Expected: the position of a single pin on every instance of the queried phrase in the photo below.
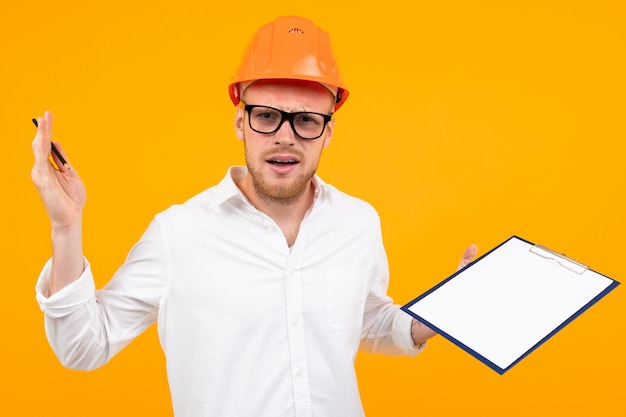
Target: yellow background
(468, 121)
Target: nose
(285, 134)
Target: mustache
(282, 150)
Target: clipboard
(508, 302)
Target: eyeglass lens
(267, 120)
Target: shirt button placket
(297, 349)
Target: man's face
(281, 165)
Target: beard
(280, 190)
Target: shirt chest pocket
(345, 294)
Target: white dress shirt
(249, 326)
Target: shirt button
(295, 322)
(299, 372)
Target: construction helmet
(289, 48)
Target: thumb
(468, 256)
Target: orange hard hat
(290, 48)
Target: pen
(54, 148)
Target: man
(263, 286)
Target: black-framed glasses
(267, 120)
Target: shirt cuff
(402, 334)
(69, 298)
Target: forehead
(289, 95)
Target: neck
(287, 213)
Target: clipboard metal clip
(562, 260)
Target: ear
(330, 127)
(239, 120)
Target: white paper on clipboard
(505, 304)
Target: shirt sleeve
(87, 327)
(386, 328)
(63, 302)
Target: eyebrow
(330, 113)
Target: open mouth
(282, 161)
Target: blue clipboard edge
(477, 355)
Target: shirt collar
(227, 187)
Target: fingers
(48, 125)
(43, 147)
(42, 173)
(468, 255)
(41, 142)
